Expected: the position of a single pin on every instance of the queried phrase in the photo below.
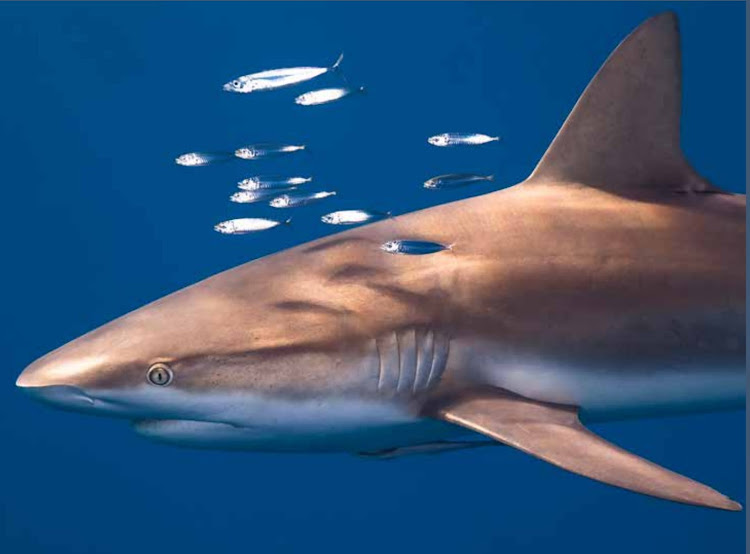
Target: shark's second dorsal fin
(624, 132)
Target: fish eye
(159, 374)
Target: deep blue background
(97, 100)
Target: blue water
(97, 100)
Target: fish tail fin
(337, 64)
(490, 177)
(450, 246)
(495, 139)
(287, 221)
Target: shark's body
(609, 284)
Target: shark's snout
(56, 380)
(61, 367)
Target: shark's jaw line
(243, 420)
(241, 409)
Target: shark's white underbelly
(612, 392)
(242, 421)
(364, 439)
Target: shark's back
(615, 248)
(615, 255)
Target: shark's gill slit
(427, 362)
(441, 348)
(389, 363)
(380, 364)
(419, 339)
(398, 361)
(408, 359)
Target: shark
(609, 284)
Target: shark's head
(146, 364)
(248, 348)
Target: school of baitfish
(280, 191)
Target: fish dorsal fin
(553, 432)
(624, 132)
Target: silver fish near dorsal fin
(624, 132)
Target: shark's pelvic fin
(437, 447)
(553, 432)
(624, 132)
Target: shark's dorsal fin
(554, 433)
(624, 132)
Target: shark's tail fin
(623, 134)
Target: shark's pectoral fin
(553, 432)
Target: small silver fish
(456, 139)
(325, 95)
(277, 78)
(197, 159)
(352, 217)
(454, 180)
(413, 247)
(247, 225)
(271, 182)
(266, 150)
(300, 199)
(251, 196)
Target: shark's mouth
(62, 396)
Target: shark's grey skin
(611, 283)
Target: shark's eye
(159, 374)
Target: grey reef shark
(609, 284)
